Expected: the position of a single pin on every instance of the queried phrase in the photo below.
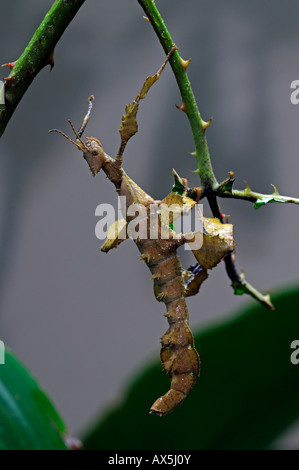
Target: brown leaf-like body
(116, 235)
(179, 357)
(217, 243)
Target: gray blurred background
(83, 321)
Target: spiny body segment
(179, 357)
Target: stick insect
(171, 283)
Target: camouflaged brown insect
(171, 283)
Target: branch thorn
(205, 124)
(185, 63)
(267, 298)
(50, 61)
(8, 80)
(9, 64)
(225, 217)
(276, 193)
(248, 188)
(181, 108)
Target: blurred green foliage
(246, 396)
(28, 420)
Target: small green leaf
(227, 185)
(238, 288)
(28, 420)
(178, 186)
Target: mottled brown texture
(179, 357)
(171, 284)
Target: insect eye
(95, 152)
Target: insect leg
(129, 125)
(192, 278)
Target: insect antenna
(79, 142)
(77, 135)
(67, 137)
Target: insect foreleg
(129, 125)
(116, 234)
(192, 278)
(87, 116)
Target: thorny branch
(36, 55)
(258, 199)
(210, 187)
(39, 53)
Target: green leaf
(28, 419)
(246, 396)
(178, 186)
(238, 288)
(265, 200)
(227, 185)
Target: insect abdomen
(179, 357)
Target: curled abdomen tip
(167, 403)
(180, 387)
